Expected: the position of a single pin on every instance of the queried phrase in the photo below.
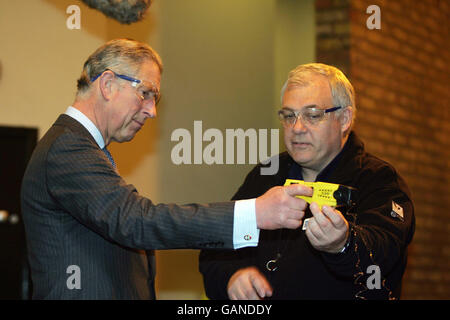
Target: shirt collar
(87, 123)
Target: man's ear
(106, 84)
(346, 119)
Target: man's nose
(299, 125)
(149, 109)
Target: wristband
(347, 244)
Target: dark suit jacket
(79, 212)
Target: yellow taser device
(327, 194)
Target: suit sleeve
(84, 184)
(217, 266)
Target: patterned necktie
(108, 154)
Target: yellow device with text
(327, 194)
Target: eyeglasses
(311, 115)
(146, 91)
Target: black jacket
(379, 237)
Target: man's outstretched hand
(279, 208)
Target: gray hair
(342, 91)
(120, 55)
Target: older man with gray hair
(90, 235)
(351, 253)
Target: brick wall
(333, 33)
(401, 74)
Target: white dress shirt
(245, 231)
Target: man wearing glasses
(339, 254)
(86, 228)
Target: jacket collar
(350, 161)
(76, 127)
(340, 170)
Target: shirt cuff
(245, 230)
